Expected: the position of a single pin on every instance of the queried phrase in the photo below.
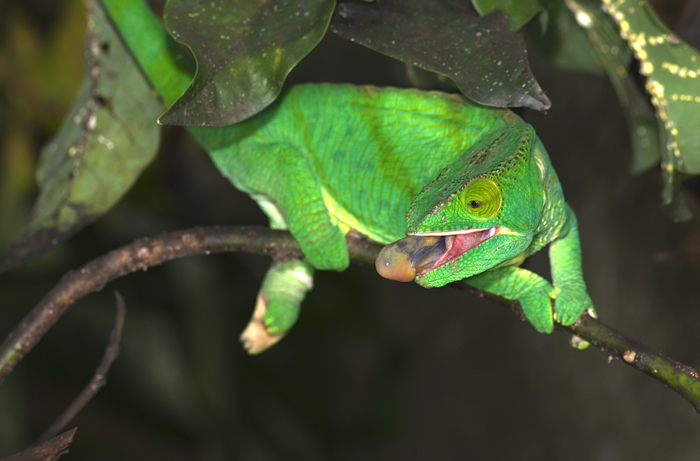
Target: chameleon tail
(168, 68)
(286, 283)
(279, 301)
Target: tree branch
(139, 255)
(98, 380)
(149, 252)
(679, 377)
(49, 450)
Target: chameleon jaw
(457, 243)
(418, 254)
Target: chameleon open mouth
(417, 255)
(454, 244)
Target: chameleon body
(473, 186)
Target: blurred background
(374, 369)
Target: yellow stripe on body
(346, 221)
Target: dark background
(374, 369)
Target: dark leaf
(518, 12)
(566, 44)
(645, 132)
(671, 194)
(107, 139)
(244, 50)
(485, 59)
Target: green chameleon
(455, 190)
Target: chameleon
(453, 189)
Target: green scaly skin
(532, 213)
(326, 159)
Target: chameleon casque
(454, 189)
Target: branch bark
(679, 377)
(49, 450)
(149, 252)
(98, 380)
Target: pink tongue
(461, 244)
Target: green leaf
(244, 50)
(107, 139)
(615, 58)
(645, 132)
(481, 55)
(565, 43)
(518, 12)
(671, 194)
(672, 71)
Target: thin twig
(145, 253)
(49, 450)
(139, 255)
(99, 379)
(679, 377)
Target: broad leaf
(481, 55)
(565, 43)
(615, 58)
(518, 12)
(107, 139)
(244, 50)
(672, 71)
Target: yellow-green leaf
(109, 137)
(672, 71)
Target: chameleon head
(481, 211)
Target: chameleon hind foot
(278, 304)
(256, 338)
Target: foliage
(98, 180)
(244, 50)
(243, 53)
(106, 141)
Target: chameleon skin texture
(326, 159)
(339, 157)
(335, 158)
(529, 213)
(284, 288)
(503, 157)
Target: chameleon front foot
(256, 338)
(571, 302)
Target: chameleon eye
(482, 198)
